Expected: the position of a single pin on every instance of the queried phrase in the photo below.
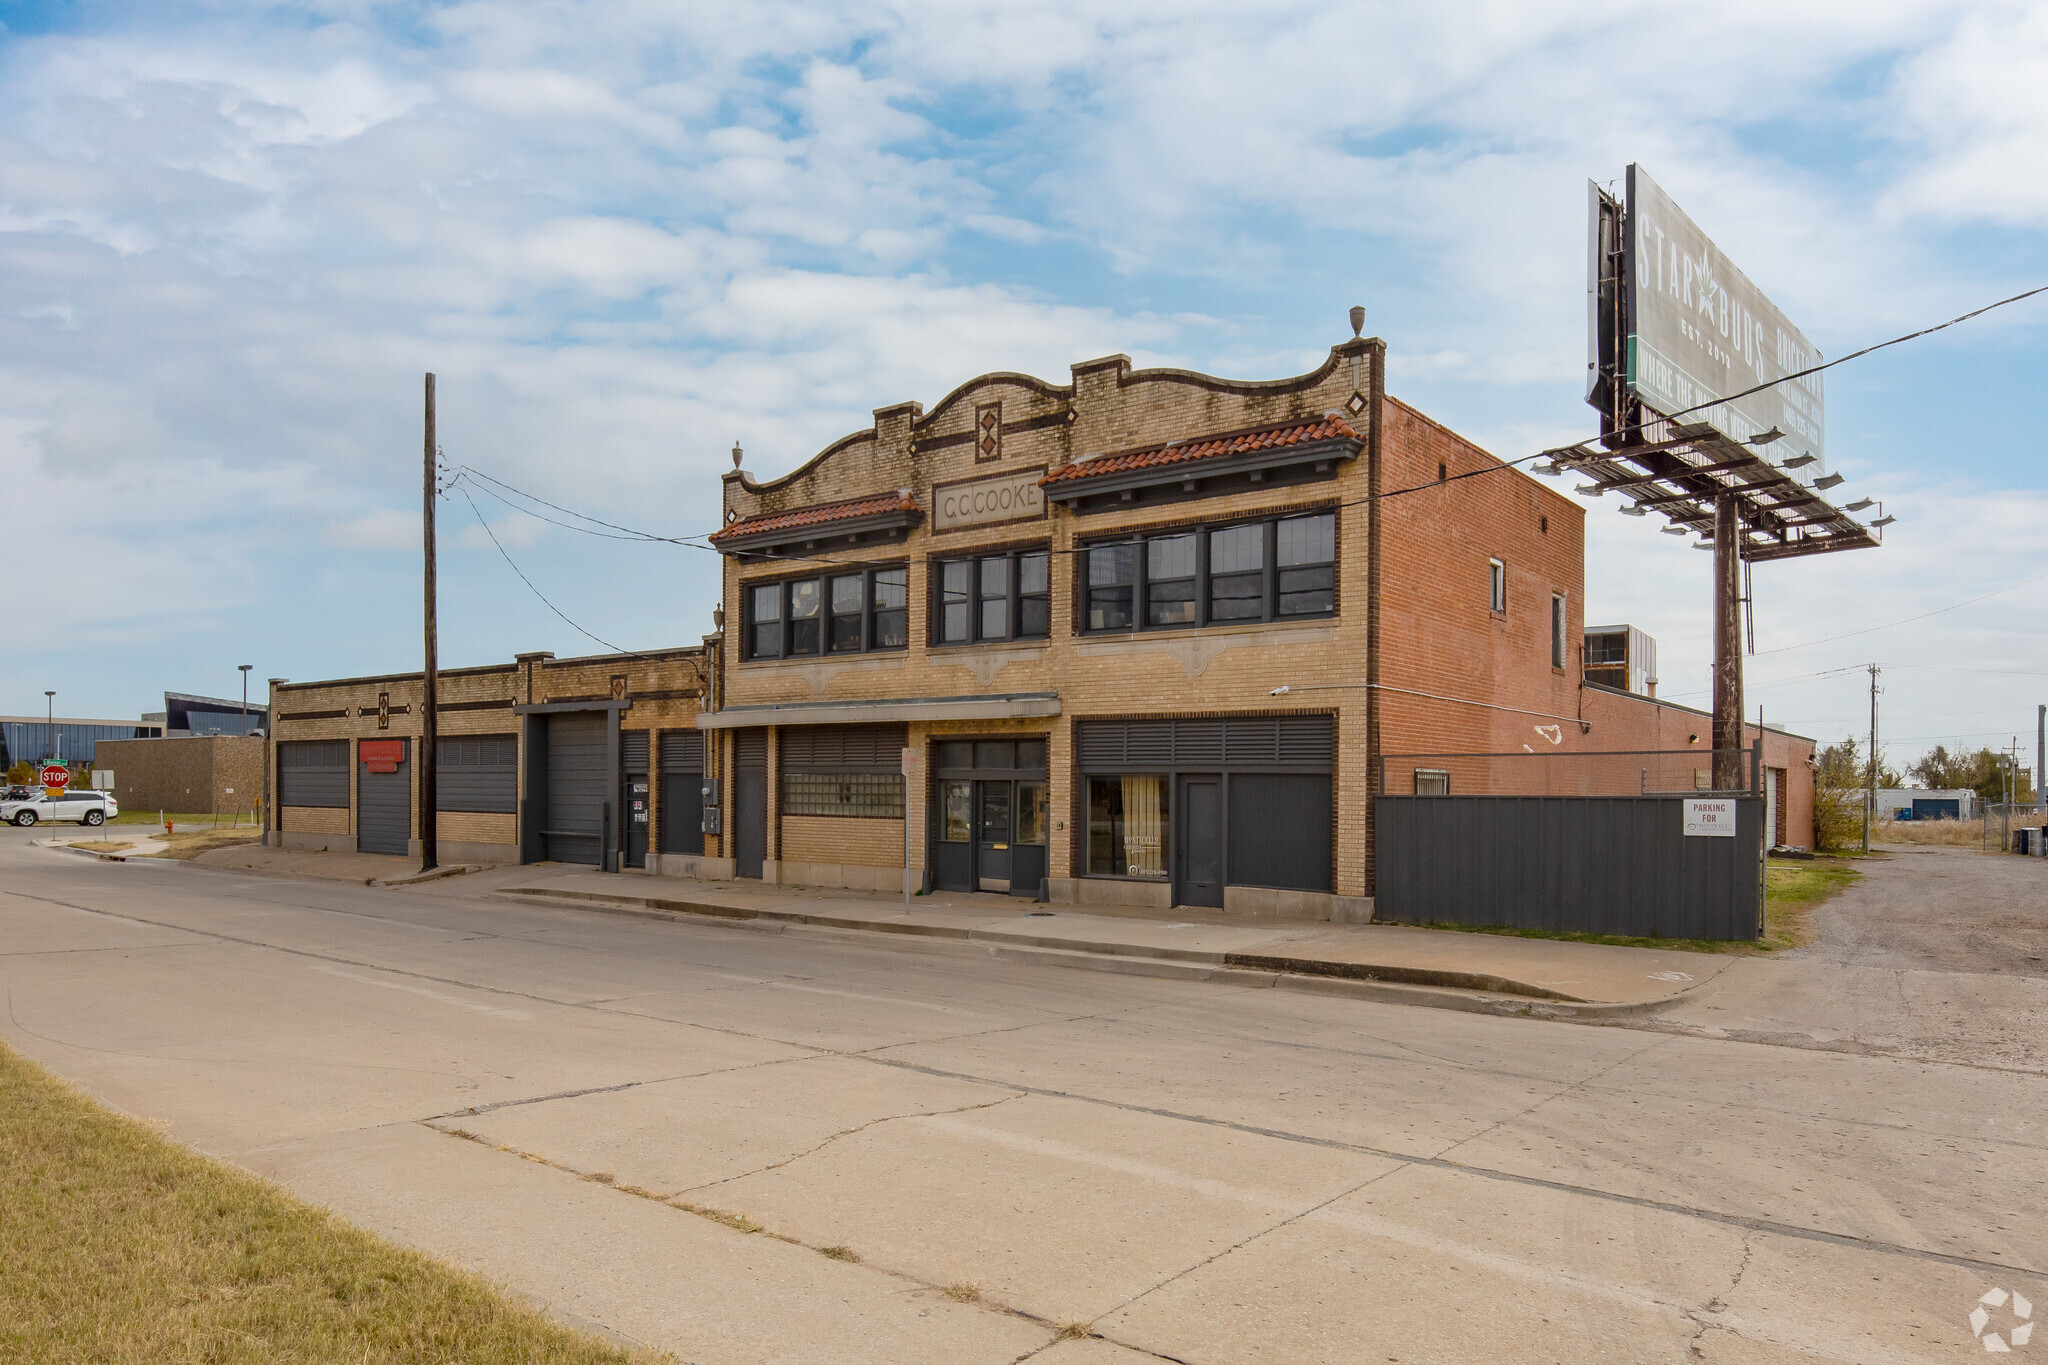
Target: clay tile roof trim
(824, 514)
(1302, 431)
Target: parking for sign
(1713, 819)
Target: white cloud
(626, 235)
(384, 529)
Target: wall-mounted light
(1279, 691)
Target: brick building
(193, 774)
(1151, 637)
(541, 759)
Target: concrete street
(1825, 1157)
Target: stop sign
(56, 776)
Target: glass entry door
(990, 816)
(992, 832)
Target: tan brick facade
(664, 690)
(1412, 659)
(208, 774)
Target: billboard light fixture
(1882, 522)
(1703, 545)
(1860, 504)
(1828, 480)
(1766, 437)
(1591, 489)
(1634, 511)
(1676, 530)
(1796, 462)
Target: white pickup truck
(86, 807)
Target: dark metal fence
(1584, 843)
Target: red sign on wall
(381, 755)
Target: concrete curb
(436, 875)
(1382, 985)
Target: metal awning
(1686, 468)
(1001, 706)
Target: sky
(627, 235)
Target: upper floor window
(1207, 576)
(1496, 585)
(846, 612)
(1557, 624)
(992, 597)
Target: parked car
(86, 807)
(19, 793)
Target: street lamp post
(50, 728)
(245, 697)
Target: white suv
(86, 807)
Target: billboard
(1695, 329)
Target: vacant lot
(117, 1245)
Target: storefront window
(1031, 808)
(956, 822)
(1127, 827)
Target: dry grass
(738, 1222)
(1073, 1331)
(100, 845)
(1950, 833)
(185, 847)
(967, 1292)
(840, 1254)
(117, 1245)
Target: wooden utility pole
(1870, 795)
(430, 719)
(1727, 728)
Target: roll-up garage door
(682, 792)
(312, 772)
(574, 829)
(384, 812)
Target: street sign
(56, 777)
(1713, 819)
(909, 762)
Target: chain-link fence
(1620, 772)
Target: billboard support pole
(1727, 645)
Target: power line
(1869, 630)
(1838, 360)
(543, 596)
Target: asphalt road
(1195, 1172)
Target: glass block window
(876, 796)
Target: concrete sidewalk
(1384, 962)
(1488, 973)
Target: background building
(35, 739)
(188, 774)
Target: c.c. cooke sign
(1006, 497)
